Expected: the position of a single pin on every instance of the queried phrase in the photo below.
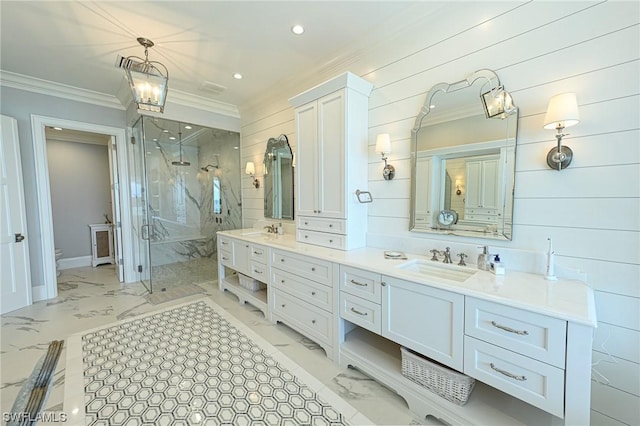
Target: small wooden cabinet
(101, 244)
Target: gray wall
(21, 104)
(80, 193)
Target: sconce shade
(383, 143)
(250, 168)
(148, 79)
(562, 111)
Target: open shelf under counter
(257, 298)
(380, 359)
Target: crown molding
(179, 97)
(46, 87)
(121, 101)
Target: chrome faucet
(447, 256)
(271, 229)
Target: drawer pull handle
(306, 223)
(282, 281)
(225, 258)
(257, 252)
(509, 329)
(506, 373)
(224, 243)
(355, 311)
(257, 272)
(359, 283)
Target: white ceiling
(76, 42)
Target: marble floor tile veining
(91, 298)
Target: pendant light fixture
(181, 162)
(148, 79)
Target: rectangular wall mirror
(463, 158)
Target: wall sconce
(458, 190)
(250, 169)
(562, 112)
(383, 146)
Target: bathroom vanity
(526, 341)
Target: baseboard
(38, 293)
(74, 262)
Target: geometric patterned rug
(195, 364)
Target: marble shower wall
(181, 197)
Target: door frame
(43, 189)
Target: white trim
(121, 100)
(38, 124)
(74, 262)
(45, 87)
(38, 293)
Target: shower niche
(185, 187)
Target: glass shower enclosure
(185, 187)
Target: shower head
(180, 163)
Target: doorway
(118, 173)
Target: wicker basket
(249, 283)
(449, 384)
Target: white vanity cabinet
(425, 319)
(303, 296)
(519, 352)
(239, 256)
(332, 158)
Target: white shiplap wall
(592, 209)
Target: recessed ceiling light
(237, 76)
(155, 139)
(165, 131)
(297, 29)
(173, 138)
(187, 127)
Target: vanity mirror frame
(498, 153)
(275, 147)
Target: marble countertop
(570, 300)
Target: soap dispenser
(484, 259)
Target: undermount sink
(252, 233)
(434, 269)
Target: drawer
(481, 211)
(361, 312)
(224, 243)
(258, 271)
(361, 283)
(323, 239)
(258, 253)
(225, 257)
(537, 383)
(307, 267)
(308, 319)
(335, 226)
(310, 291)
(534, 335)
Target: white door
(14, 251)
(115, 203)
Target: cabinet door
(240, 250)
(306, 159)
(428, 320)
(473, 199)
(490, 184)
(331, 152)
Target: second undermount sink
(429, 268)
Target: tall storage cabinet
(331, 144)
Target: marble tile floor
(92, 297)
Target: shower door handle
(145, 235)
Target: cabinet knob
(330, 225)
(306, 236)
(313, 269)
(306, 223)
(282, 281)
(383, 284)
(313, 321)
(330, 241)
(281, 260)
(283, 305)
(313, 293)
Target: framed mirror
(463, 159)
(278, 179)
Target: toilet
(58, 257)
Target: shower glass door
(140, 205)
